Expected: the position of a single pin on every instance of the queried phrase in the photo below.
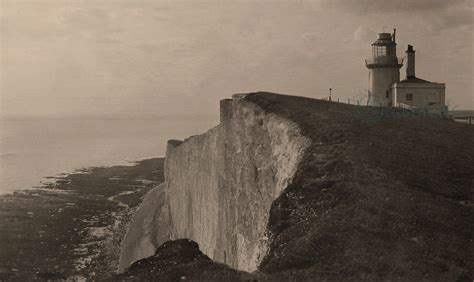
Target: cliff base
(180, 260)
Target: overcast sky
(98, 57)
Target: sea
(35, 149)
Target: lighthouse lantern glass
(381, 51)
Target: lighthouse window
(409, 96)
(382, 51)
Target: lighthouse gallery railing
(384, 62)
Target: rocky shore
(72, 227)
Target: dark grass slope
(381, 193)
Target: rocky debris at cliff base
(181, 260)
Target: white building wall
(381, 80)
(429, 97)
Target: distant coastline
(32, 148)
(46, 182)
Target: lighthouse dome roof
(384, 39)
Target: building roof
(414, 80)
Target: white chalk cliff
(219, 187)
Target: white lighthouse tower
(384, 69)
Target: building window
(409, 96)
(387, 94)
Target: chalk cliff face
(219, 187)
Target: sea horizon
(34, 149)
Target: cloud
(456, 16)
(388, 6)
(434, 15)
(364, 34)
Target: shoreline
(72, 227)
(51, 179)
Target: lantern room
(384, 46)
(384, 52)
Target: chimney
(410, 62)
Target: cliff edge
(309, 188)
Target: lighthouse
(384, 70)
